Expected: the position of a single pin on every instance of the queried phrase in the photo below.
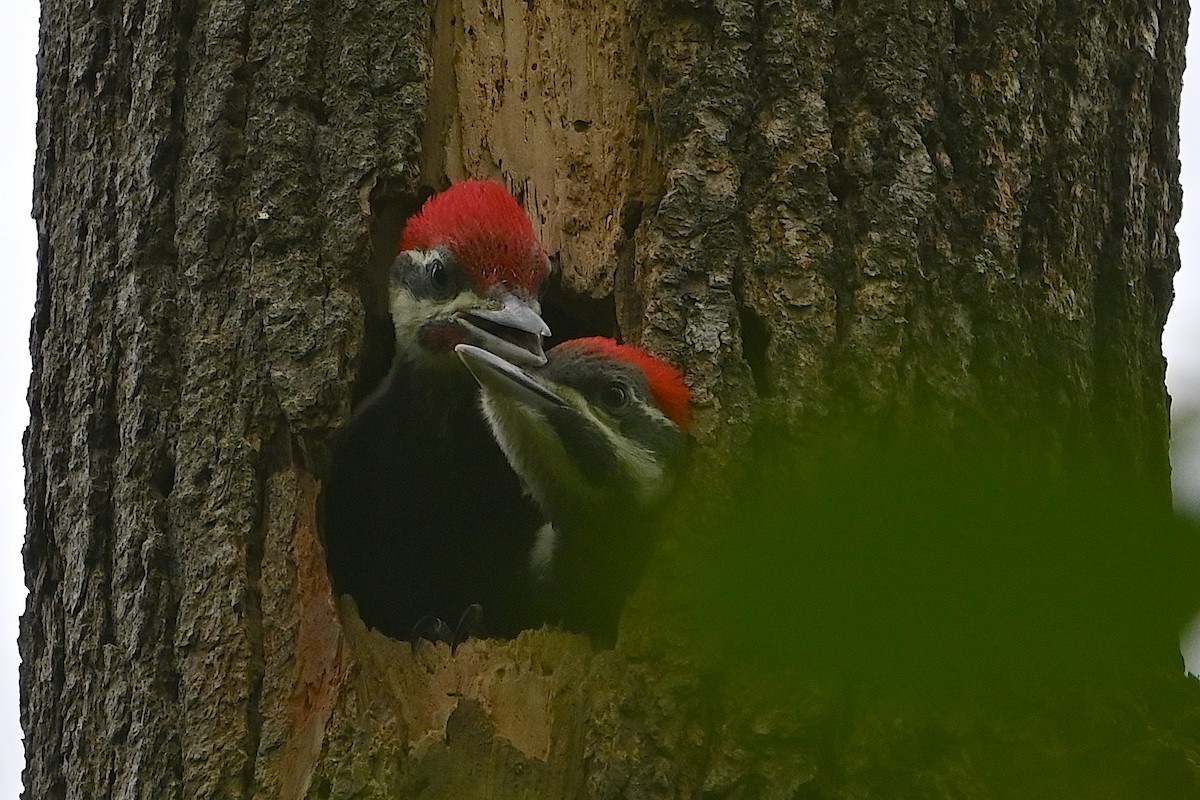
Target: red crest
(671, 393)
(488, 232)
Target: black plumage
(598, 434)
(422, 514)
(423, 519)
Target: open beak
(513, 332)
(506, 379)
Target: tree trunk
(842, 220)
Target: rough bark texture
(937, 211)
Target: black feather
(421, 514)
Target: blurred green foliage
(937, 561)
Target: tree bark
(842, 217)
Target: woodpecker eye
(614, 396)
(439, 276)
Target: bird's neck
(445, 389)
(598, 522)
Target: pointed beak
(502, 378)
(514, 331)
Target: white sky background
(1181, 339)
(18, 266)
(18, 45)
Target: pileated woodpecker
(424, 521)
(598, 435)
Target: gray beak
(514, 331)
(502, 378)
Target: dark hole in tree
(389, 211)
(572, 315)
(755, 340)
(361, 502)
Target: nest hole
(572, 314)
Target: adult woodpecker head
(600, 423)
(468, 272)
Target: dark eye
(439, 276)
(614, 396)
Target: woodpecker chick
(468, 271)
(424, 521)
(598, 436)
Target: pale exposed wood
(544, 96)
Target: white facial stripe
(410, 313)
(644, 469)
(534, 450)
(421, 257)
(541, 555)
(407, 315)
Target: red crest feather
(666, 382)
(488, 232)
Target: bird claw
(468, 623)
(433, 629)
